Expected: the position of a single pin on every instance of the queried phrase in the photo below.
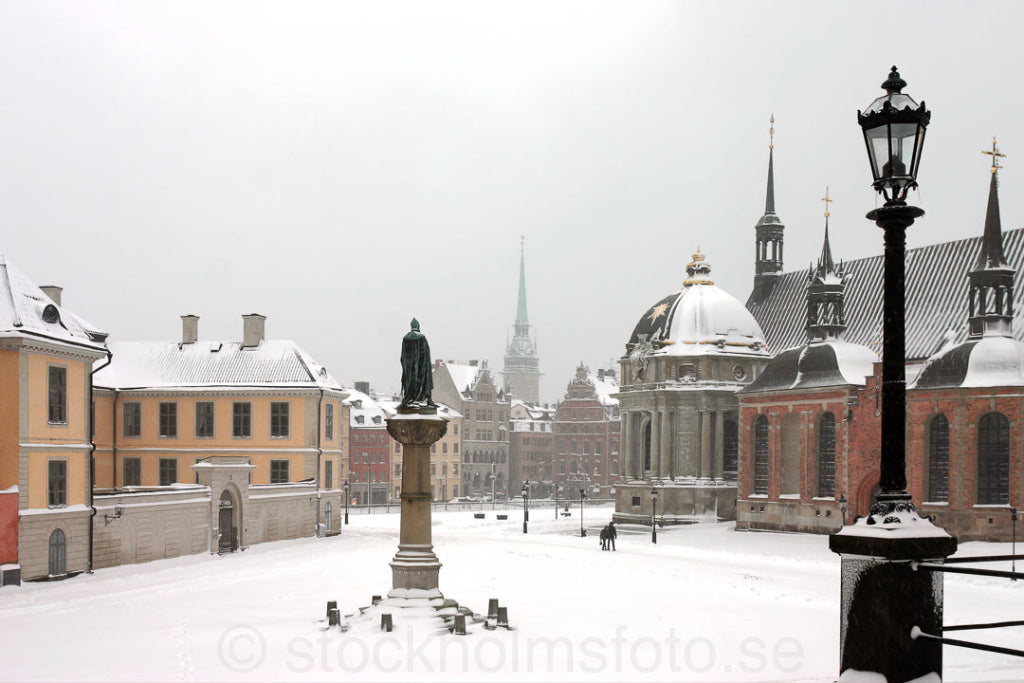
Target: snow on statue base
(885, 595)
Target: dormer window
(359, 419)
(376, 419)
(50, 314)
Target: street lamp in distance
(346, 499)
(526, 503)
(654, 508)
(583, 497)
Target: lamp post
(526, 508)
(843, 507)
(583, 497)
(654, 508)
(885, 601)
(346, 499)
(1013, 543)
(492, 485)
(556, 487)
(368, 491)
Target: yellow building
(46, 361)
(168, 411)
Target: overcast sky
(343, 167)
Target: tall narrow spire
(769, 232)
(990, 300)
(521, 318)
(769, 199)
(826, 292)
(522, 367)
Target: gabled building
(532, 447)
(46, 374)
(587, 434)
(470, 390)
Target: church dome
(698, 318)
(993, 361)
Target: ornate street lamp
(526, 501)
(894, 127)
(885, 599)
(654, 507)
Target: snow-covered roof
(25, 310)
(390, 408)
(698, 319)
(818, 364)
(364, 411)
(205, 364)
(463, 375)
(604, 387)
(991, 361)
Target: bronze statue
(417, 380)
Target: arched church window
(938, 459)
(761, 455)
(993, 459)
(730, 448)
(646, 446)
(827, 455)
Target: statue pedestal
(415, 567)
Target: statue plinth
(415, 567)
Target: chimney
(252, 329)
(53, 291)
(189, 329)
(363, 387)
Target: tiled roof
(273, 363)
(26, 310)
(936, 281)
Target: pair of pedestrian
(608, 535)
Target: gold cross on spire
(771, 133)
(827, 201)
(995, 154)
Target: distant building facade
(370, 450)
(587, 434)
(532, 447)
(470, 390)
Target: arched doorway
(58, 553)
(227, 525)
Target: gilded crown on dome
(698, 271)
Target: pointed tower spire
(826, 292)
(769, 232)
(990, 300)
(522, 320)
(522, 366)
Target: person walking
(612, 533)
(604, 538)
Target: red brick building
(369, 449)
(587, 434)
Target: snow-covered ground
(706, 603)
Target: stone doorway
(227, 524)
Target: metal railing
(1013, 575)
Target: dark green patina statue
(417, 378)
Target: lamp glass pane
(878, 152)
(903, 146)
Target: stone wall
(154, 525)
(34, 529)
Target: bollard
(331, 604)
(492, 608)
(333, 617)
(375, 600)
(503, 617)
(385, 622)
(460, 624)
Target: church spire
(522, 320)
(769, 231)
(826, 292)
(990, 300)
(522, 366)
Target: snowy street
(705, 603)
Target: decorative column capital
(416, 430)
